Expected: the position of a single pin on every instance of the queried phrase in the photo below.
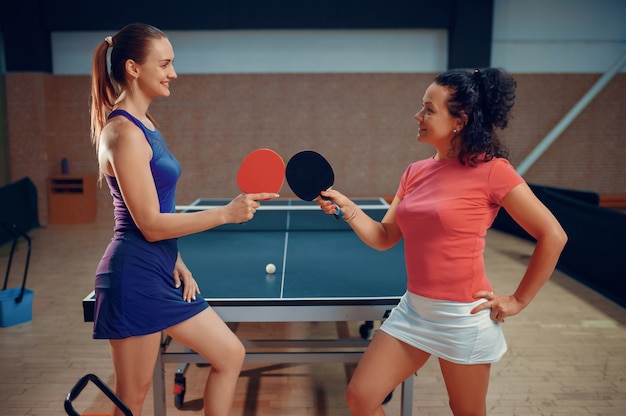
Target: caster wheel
(365, 330)
(179, 390)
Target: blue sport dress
(134, 286)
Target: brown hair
(131, 42)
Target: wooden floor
(567, 351)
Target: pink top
(444, 215)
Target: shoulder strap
(129, 116)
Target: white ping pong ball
(270, 268)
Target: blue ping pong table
(323, 273)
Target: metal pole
(547, 141)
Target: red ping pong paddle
(262, 170)
(308, 174)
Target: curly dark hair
(484, 98)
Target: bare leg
(133, 361)
(467, 387)
(210, 337)
(384, 365)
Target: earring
(454, 131)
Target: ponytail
(103, 92)
(496, 94)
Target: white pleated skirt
(446, 329)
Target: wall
(276, 51)
(558, 36)
(362, 122)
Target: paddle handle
(338, 212)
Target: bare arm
(183, 276)
(378, 235)
(530, 213)
(125, 154)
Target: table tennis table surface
(323, 273)
(323, 270)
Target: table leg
(406, 400)
(158, 381)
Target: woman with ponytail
(142, 285)
(442, 210)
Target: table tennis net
(295, 215)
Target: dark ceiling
(26, 25)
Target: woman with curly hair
(442, 210)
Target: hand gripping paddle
(262, 170)
(309, 173)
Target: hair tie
(109, 40)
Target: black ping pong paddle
(308, 173)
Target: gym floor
(567, 350)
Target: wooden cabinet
(72, 199)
